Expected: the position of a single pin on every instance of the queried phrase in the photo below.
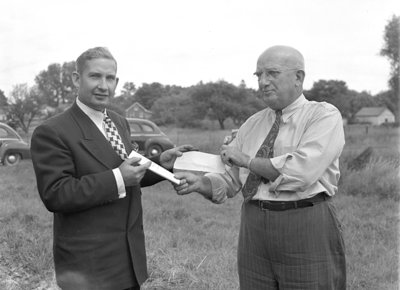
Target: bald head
(284, 56)
(280, 72)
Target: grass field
(191, 243)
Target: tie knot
(278, 113)
(106, 119)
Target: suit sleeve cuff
(120, 183)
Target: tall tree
(128, 89)
(24, 105)
(176, 109)
(147, 94)
(55, 83)
(390, 50)
(220, 101)
(331, 91)
(3, 99)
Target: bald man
(285, 161)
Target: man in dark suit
(85, 178)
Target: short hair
(92, 53)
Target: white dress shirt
(306, 152)
(97, 118)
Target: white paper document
(156, 168)
(200, 161)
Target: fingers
(184, 188)
(224, 147)
(132, 172)
(187, 184)
(133, 160)
(146, 165)
(187, 147)
(225, 157)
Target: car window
(4, 133)
(147, 128)
(135, 128)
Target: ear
(116, 82)
(300, 75)
(75, 79)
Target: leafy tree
(220, 101)
(55, 84)
(249, 104)
(128, 89)
(175, 109)
(3, 99)
(391, 51)
(331, 91)
(126, 98)
(147, 94)
(24, 105)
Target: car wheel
(11, 159)
(153, 150)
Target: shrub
(379, 177)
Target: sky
(183, 42)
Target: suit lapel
(94, 141)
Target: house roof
(371, 111)
(137, 104)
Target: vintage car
(151, 140)
(12, 147)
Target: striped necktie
(266, 151)
(114, 138)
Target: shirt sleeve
(321, 144)
(120, 182)
(225, 185)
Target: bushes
(379, 177)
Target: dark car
(12, 148)
(151, 140)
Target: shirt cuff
(278, 163)
(218, 188)
(120, 183)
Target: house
(136, 110)
(374, 115)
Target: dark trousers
(299, 248)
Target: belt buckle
(261, 204)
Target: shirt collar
(291, 109)
(96, 116)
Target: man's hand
(192, 183)
(168, 157)
(132, 172)
(233, 157)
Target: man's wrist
(249, 163)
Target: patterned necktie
(266, 151)
(114, 138)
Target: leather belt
(276, 205)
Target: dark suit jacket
(98, 238)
